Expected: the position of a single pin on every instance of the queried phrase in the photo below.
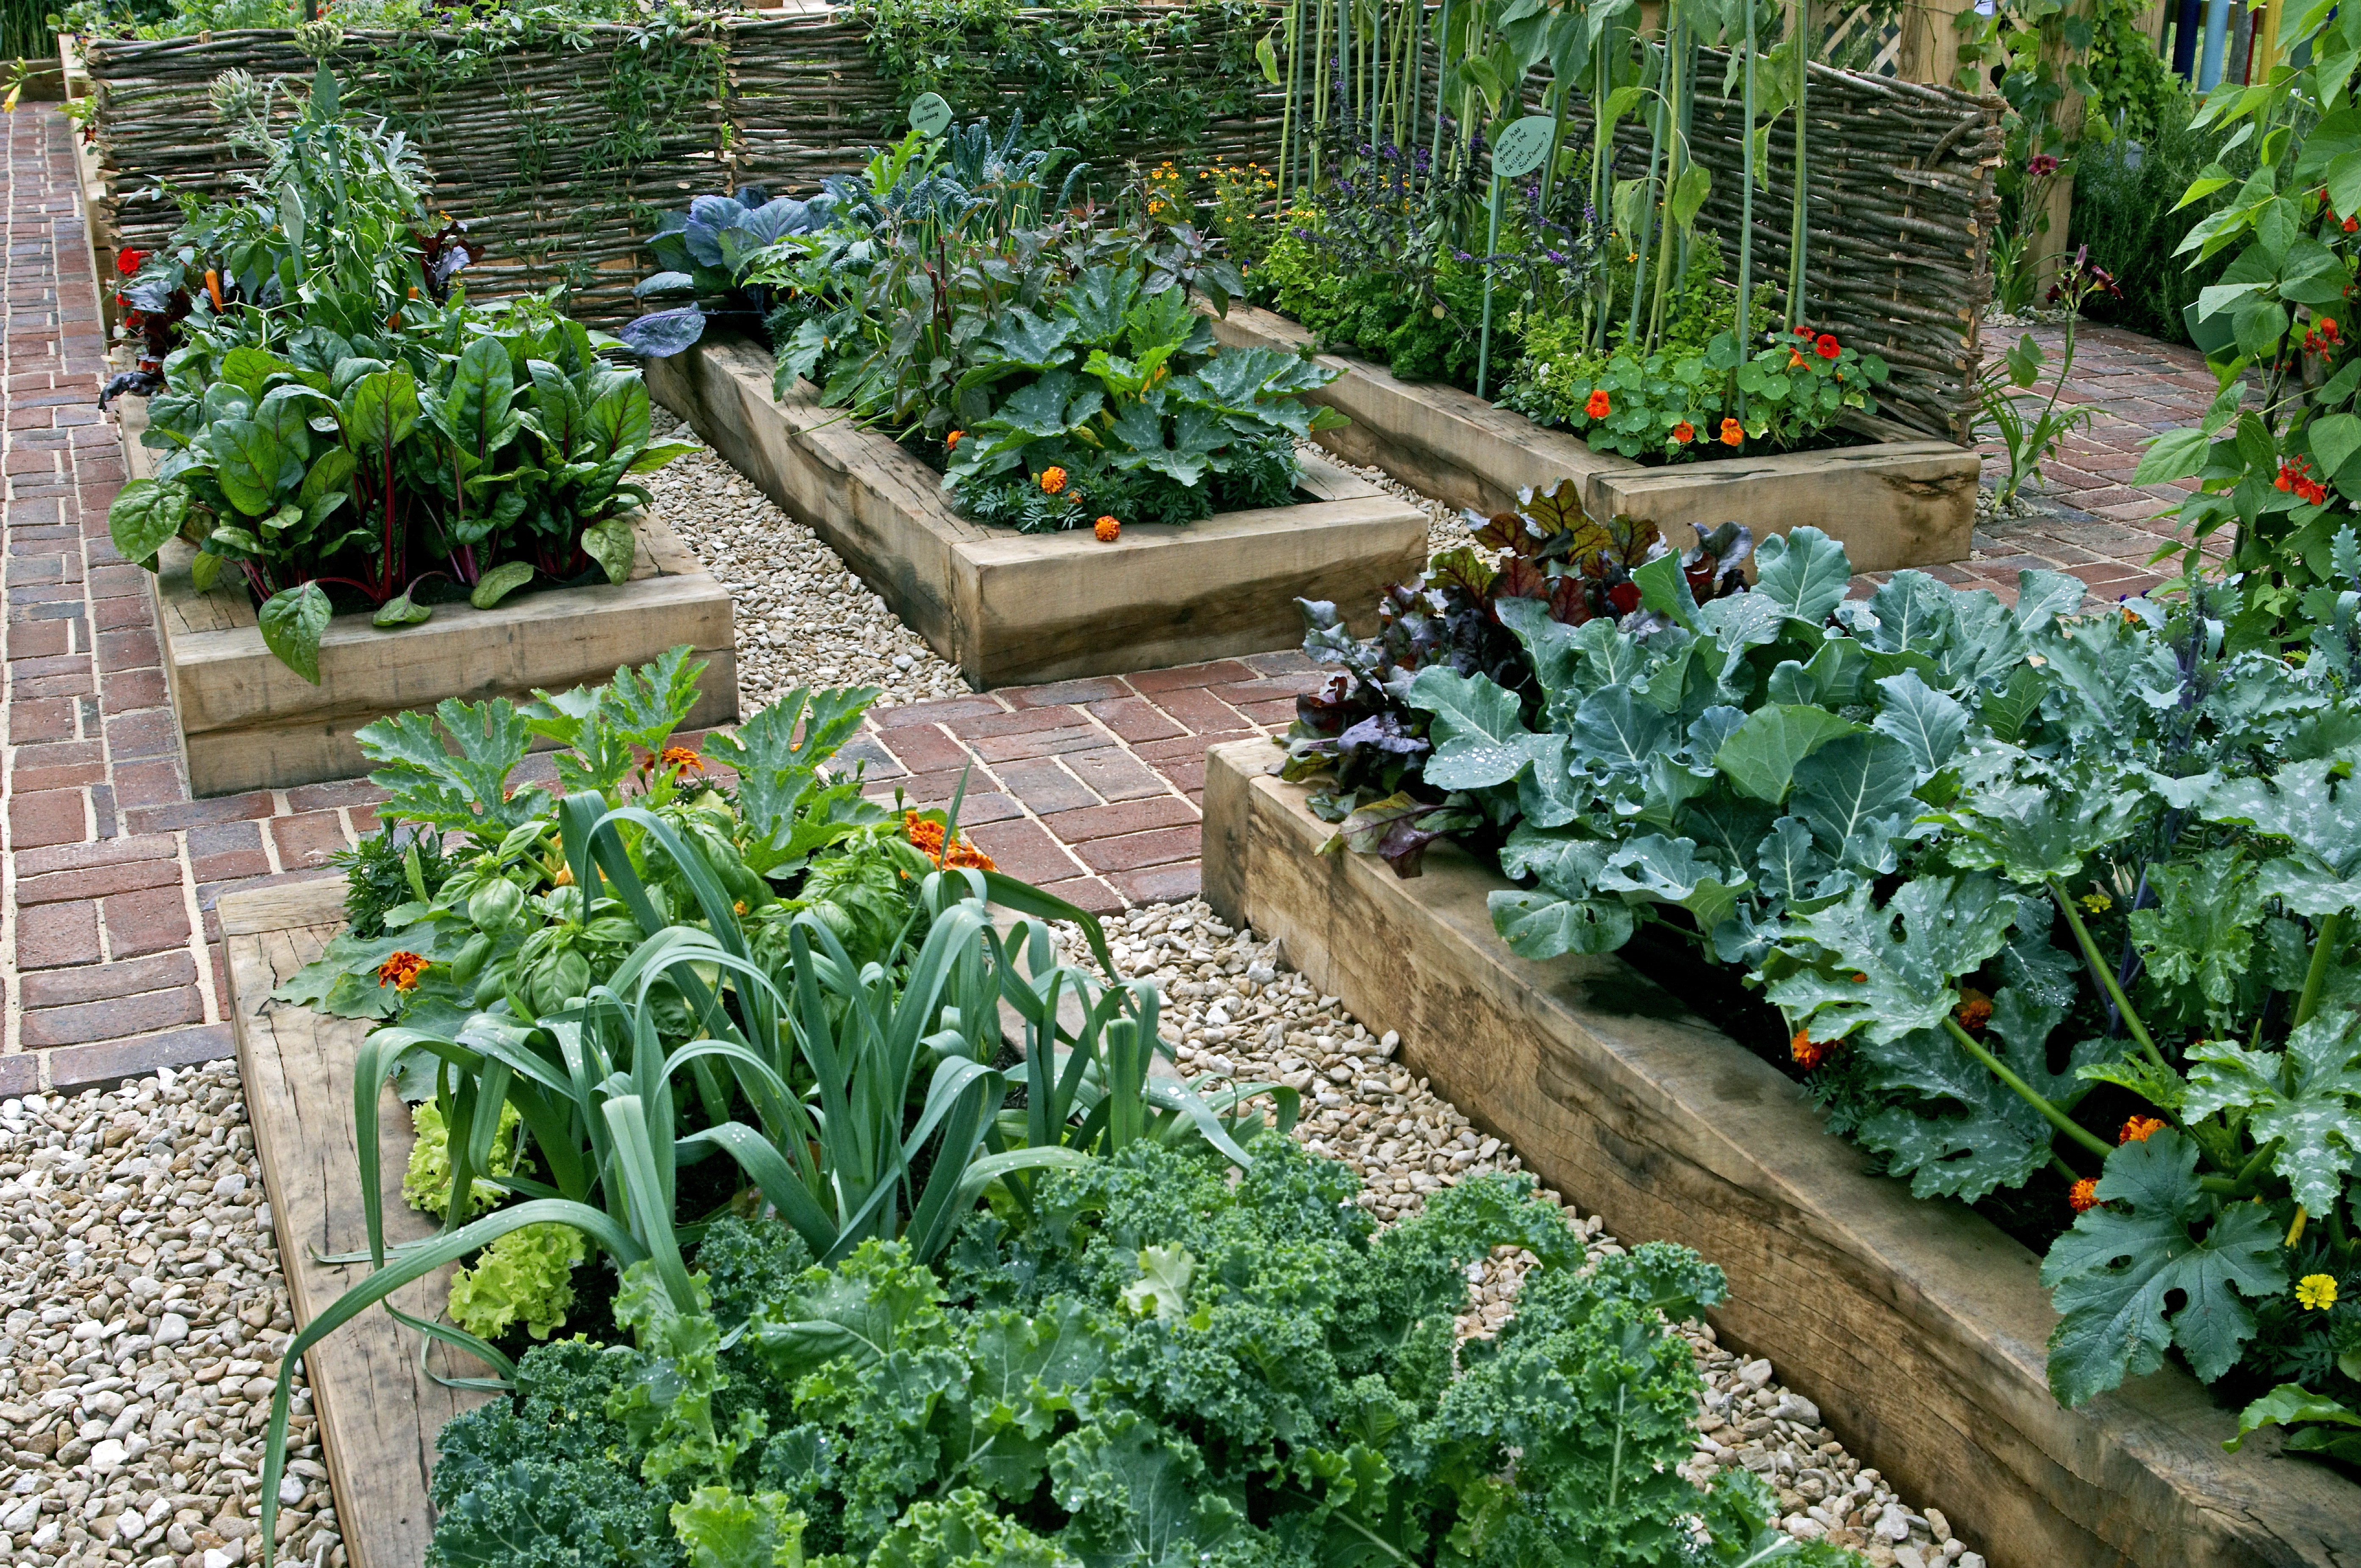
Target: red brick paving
(108, 956)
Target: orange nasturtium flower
(951, 441)
(1732, 433)
(2083, 1195)
(1683, 433)
(1598, 407)
(1107, 529)
(402, 972)
(1053, 479)
(2139, 1129)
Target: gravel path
(144, 1310)
(803, 618)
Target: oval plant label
(931, 115)
(1521, 148)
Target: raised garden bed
(1899, 498)
(377, 1411)
(252, 723)
(1011, 608)
(1917, 1327)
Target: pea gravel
(142, 1312)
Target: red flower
(1683, 433)
(1826, 348)
(1597, 407)
(127, 262)
(2083, 1195)
(1803, 332)
(2039, 164)
(2352, 223)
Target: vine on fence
(1099, 77)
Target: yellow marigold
(1053, 479)
(2095, 902)
(2139, 1129)
(400, 970)
(680, 758)
(2316, 1292)
(739, 907)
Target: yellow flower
(2316, 1291)
(2096, 902)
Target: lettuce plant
(2043, 896)
(1152, 1364)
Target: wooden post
(1930, 40)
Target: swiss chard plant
(1151, 1365)
(2045, 898)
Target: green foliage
(524, 1280)
(1983, 860)
(427, 1184)
(379, 872)
(2125, 214)
(1284, 1392)
(1098, 77)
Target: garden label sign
(1516, 152)
(931, 115)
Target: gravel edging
(144, 1316)
(1234, 1011)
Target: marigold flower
(1107, 529)
(2083, 1195)
(2096, 902)
(400, 970)
(1053, 479)
(969, 857)
(923, 835)
(1827, 347)
(1683, 433)
(680, 758)
(1597, 407)
(1808, 1052)
(951, 441)
(739, 907)
(1732, 434)
(2316, 1292)
(1975, 1009)
(2139, 1129)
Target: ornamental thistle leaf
(2307, 1097)
(2316, 806)
(1478, 739)
(1908, 955)
(2157, 1234)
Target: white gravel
(1234, 1011)
(145, 1312)
(803, 618)
(1446, 525)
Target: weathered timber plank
(1899, 500)
(377, 1411)
(1918, 1328)
(1016, 608)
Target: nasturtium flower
(127, 262)
(1732, 433)
(1828, 347)
(951, 441)
(2316, 1292)
(1683, 433)
(2139, 1129)
(1597, 407)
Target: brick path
(108, 957)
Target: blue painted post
(2217, 34)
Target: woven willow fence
(559, 153)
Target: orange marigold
(1598, 407)
(2083, 1195)
(2139, 1129)
(1108, 530)
(1808, 1052)
(1053, 479)
(927, 837)
(1975, 1009)
(968, 856)
(951, 441)
(400, 970)
(1732, 433)
(680, 758)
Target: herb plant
(2043, 896)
